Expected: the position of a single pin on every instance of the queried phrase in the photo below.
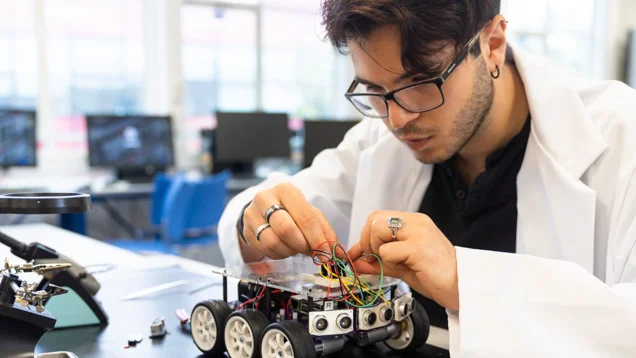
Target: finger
(282, 223)
(303, 214)
(331, 244)
(380, 234)
(262, 268)
(366, 267)
(272, 242)
(355, 252)
(365, 236)
(395, 253)
(251, 240)
(252, 221)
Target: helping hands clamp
(27, 294)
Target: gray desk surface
(133, 273)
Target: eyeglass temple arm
(462, 56)
(352, 86)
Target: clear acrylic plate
(291, 275)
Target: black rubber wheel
(290, 337)
(243, 333)
(415, 330)
(207, 323)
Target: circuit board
(297, 275)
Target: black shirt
(482, 216)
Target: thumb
(363, 266)
(330, 235)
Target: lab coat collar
(556, 210)
(561, 122)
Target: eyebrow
(397, 81)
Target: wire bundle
(356, 292)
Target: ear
(493, 43)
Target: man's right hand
(298, 228)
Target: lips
(417, 144)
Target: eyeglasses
(418, 97)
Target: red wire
(257, 298)
(333, 270)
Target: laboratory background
(112, 96)
(161, 111)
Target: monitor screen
(130, 141)
(251, 136)
(17, 138)
(321, 135)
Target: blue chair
(192, 209)
(183, 212)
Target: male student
(499, 185)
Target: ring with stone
(394, 225)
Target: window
(299, 66)
(18, 63)
(562, 30)
(95, 60)
(219, 61)
(221, 49)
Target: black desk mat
(135, 316)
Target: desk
(95, 184)
(136, 272)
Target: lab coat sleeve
(524, 306)
(328, 184)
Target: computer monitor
(242, 138)
(323, 134)
(135, 146)
(17, 138)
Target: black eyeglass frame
(438, 81)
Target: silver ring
(259, 230)
(394, 225)
(272, 209)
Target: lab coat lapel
(389, 178)
(556, 211)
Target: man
(500, 186)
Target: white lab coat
(570, 291)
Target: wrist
(248, 253)
(452, 287)
(239, 223)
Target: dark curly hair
(426, 26)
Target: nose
(398, 116)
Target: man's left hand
(420, 255)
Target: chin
(432, 156)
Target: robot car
(283, 314)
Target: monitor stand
(138, 175)
(243, 169)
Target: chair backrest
(161, 184)
(194, 205)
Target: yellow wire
(346, 281)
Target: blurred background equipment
(17, 138)
(321, 135)
(136, 147)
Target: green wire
(376, 294)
